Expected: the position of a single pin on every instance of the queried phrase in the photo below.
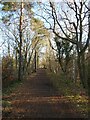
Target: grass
(8, 90)
(6, 104)
(6, 107)
(67, 87)
(73, 92)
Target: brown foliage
(7, 71)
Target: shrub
(7, 71)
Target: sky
(33, 9)
(36, 0)
(33, 0)
(0, 43)
(1, 39)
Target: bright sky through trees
(45, 45)
(37, 0)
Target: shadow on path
(36, 98)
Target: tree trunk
(89, 77)
(35, 60)
(8, 49)
(82, 69)
(16, 59)
(20, 45)
(88, 81)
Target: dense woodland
(50, 35)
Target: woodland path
(36, 98)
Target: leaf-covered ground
(36, 97)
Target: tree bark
(82, 70)
(16, 59)
(20, 44)
(35, 60)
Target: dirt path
(36, 98)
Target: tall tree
(20, 44)
(69, 24)
(17, 28)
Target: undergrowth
(6, 104)
(73, 92)
(8, 90)
(66, 86)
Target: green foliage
(10, 6)
(36, 23)
(38, 26)
(6, 107)
(7, 6)
(63, 52)
(6, 103)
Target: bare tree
(70, 24)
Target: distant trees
(26, 35)
(39, 40)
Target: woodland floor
(36, 98)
